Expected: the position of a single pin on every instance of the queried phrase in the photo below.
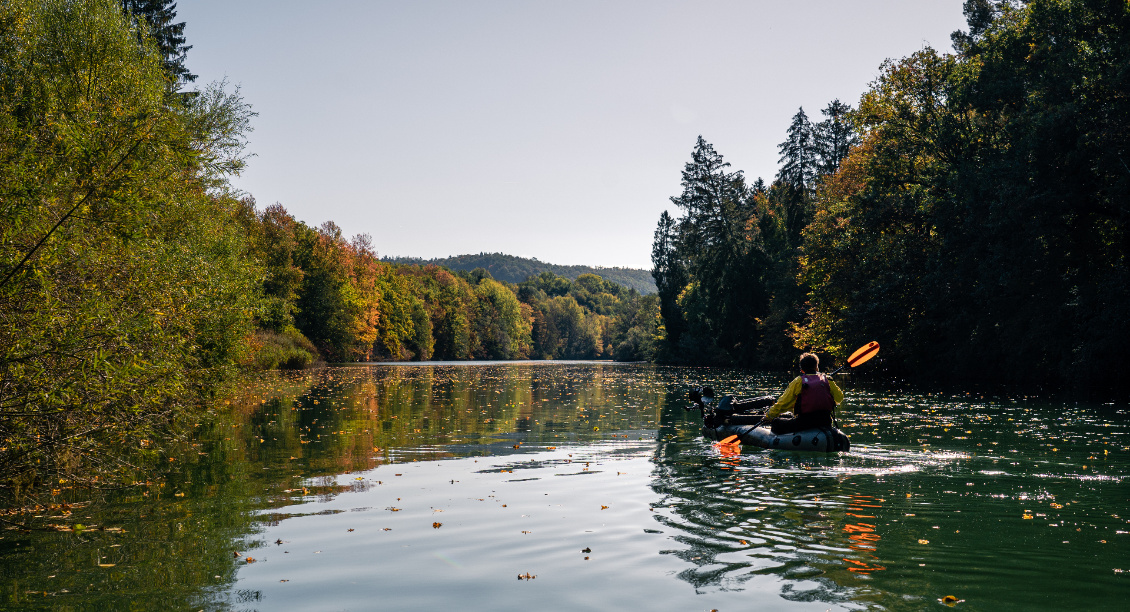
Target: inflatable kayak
(820, 439)
(742, 418)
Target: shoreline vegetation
(970, 214)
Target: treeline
(126, 290)
(977, 228)
(135, 282)
(512, 269)
(335, 298)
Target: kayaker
(811, 397)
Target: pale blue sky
(554, 130)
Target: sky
(547, 129)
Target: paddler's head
(809, 363)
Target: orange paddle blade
(728, 440)
(863, 354)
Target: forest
(135, 282)
(970, 215)
(512, 269)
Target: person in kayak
(811, 397)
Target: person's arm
(786, 401)
(837, 394)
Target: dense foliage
(354, 307)
(125, 287)
(511, 269)
(978, 229)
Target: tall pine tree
(158, 16)
(670, 276)
(833, 137)
(796, 179)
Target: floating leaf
(437, 525)
(586, 550)
(604, 507)
(923, 542)
(107, 564)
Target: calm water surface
(578, 486)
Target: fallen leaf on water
(285, 580)
(394, 509)
(235, 553)
(743, 542)
(1027, 516)
(350, 529)
(551, 448)
(524, 531)
(437, 525)
(387, 529)
(923, 542)
(950, 600)
(604, 507)
(526, 576)
(586, 550)
(107, 564)
(250, 559)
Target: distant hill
(517, 269)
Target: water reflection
(432, 486)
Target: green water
(588, 487)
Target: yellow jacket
(788, 399)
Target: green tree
(159, 16)
(127, 289)
(833, 137)
(797, 176)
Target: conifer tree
(670, 276)
(833, 137)
(796, 179)
(798, 154)
(169, 36)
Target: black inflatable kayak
(742, 418)
(821, 439)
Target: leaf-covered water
(587, 486)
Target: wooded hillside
(517, 269)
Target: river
(587, 486)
